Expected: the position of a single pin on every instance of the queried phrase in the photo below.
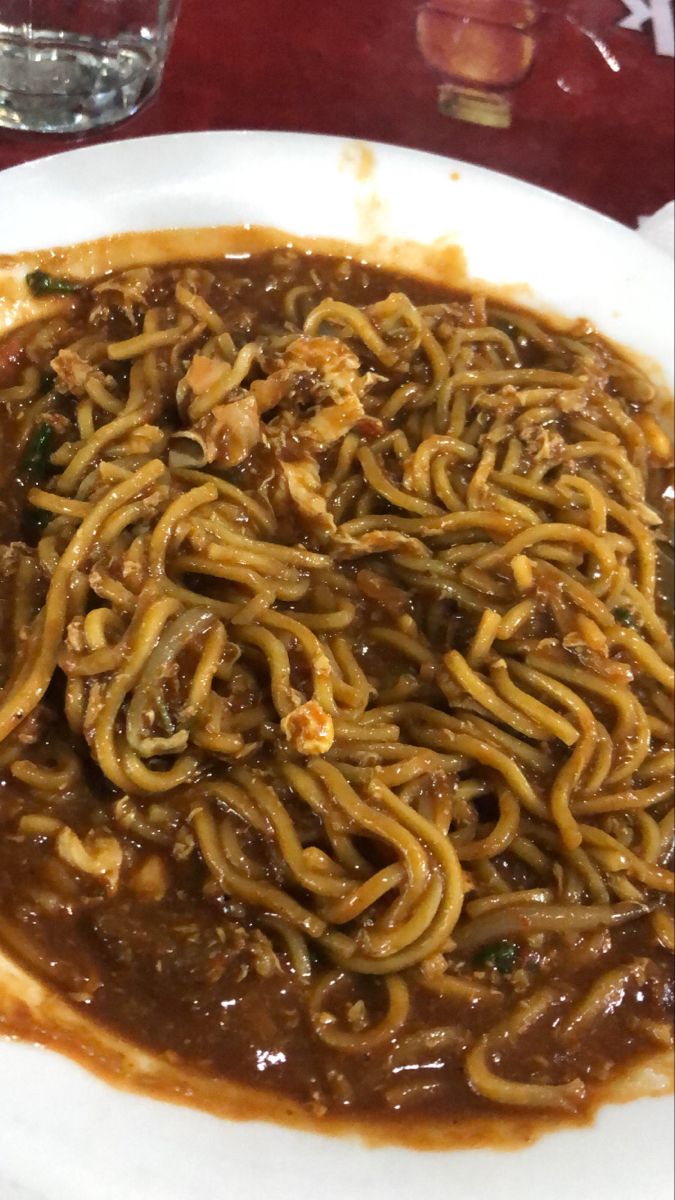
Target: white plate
(64, 1135)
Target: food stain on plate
(359, 159)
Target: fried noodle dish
(336, 724)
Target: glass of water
(67, 66)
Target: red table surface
(593, 119)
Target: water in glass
(71, 65)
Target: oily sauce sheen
(113, 894)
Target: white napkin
(660, 228)
(16, 1191)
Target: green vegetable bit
(502, 955)
(625, 617)
(47, 381)
(41, 283)
(36, 521)
(164, 715)
(35, 458)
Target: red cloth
(593, 118)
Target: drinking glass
(67, 66)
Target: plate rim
(290, 136)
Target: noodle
(337, 663)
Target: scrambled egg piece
(309, 729)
